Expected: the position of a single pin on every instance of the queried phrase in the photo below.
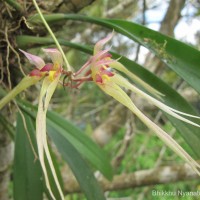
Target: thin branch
(126, 141)
(52, 34)
(158, 175)
(7, 59)
(120, 7)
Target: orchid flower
(51, 73)
(101, 69)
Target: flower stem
(52, 34)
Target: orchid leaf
(27, 171)
(78, 165)
(85, 146)
(22, 85)
(32, 160)
(81, 170)
(180, 57)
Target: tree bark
(172, 17)
(6, 157)
(66, 6)
(158, 175)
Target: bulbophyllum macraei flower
(102, 70)
(51, 73)
(50, 69)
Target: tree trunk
(6, 157)
(158, 175)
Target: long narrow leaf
(180, 57)
(79, 167)
(27, 172)
(81, 170)
(29, 128)
(85, 146)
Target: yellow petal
(46, 93)
(173, 112)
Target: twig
(1, 67)
(52, 34)
(7, 58)
(97, 109)
(118, 8)
(126, 141)
(158, 175)
(157, 163)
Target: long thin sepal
(116, 92)
(47, 91)
(173, 112)
(41, 134)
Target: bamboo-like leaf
(84, 145)
(29, 160)
(180, 57)
(27, 172)
(79, 167)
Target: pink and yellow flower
(102, 70)
(51, 73)
(50, 69)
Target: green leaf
(175, 100)
(26, 82)
(180, 57)
(27, 163)
(27, 172)
(79, 167)
(85, 146)
(81, 142)
(81, 170)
